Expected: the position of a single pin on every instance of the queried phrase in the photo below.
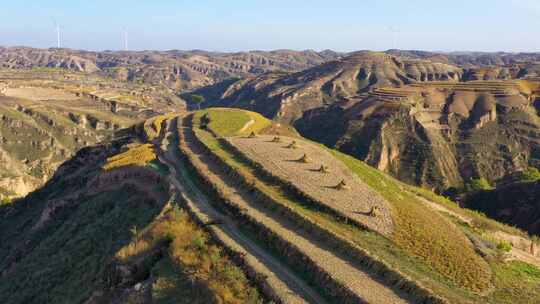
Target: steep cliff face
(414, 118)
(439, 137)
(286, 97)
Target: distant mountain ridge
(178, 70)
(192, 69)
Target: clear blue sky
(234, 25)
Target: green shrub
(504, 246)
(532, 174)
(197, 99)
(476, 184)
(198, 241)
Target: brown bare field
(355, 201)
(37, 93)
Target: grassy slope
(190, 257)
(424, 233)
(139, 155)
(516, 282)
(417, 254)
(70, 257)
(229, 122)
(480, 219)
(71, 253)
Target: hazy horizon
(241, 25)
(271, 50)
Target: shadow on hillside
(57, 242)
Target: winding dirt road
(284, 283)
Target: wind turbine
(58, 34)
(125, 39)
(393, 32)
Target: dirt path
(281, 280)
(358, 282)
(441, 208)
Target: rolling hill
(427, 123)
(208, 206)
(177, 70)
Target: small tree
(532, 174)
(135, 233)
(198, 100)
(476, 184)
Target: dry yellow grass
(191, 251)
(139, 155)
(152, 127)
(425, 233)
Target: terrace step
(275, 279)
(334, 271)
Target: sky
(240, 25)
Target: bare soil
(37, 93)
(354, 201)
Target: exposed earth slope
(417, 119)
(47, 116)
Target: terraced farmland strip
(341, 235)
(275, 279)
(331, 271)
(320, 223)
(355, 203)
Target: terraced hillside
(239, 227)
(408, 212)
(288, 97)
(107, 228)
(45, 117)
(414, 118)
(435, 134)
